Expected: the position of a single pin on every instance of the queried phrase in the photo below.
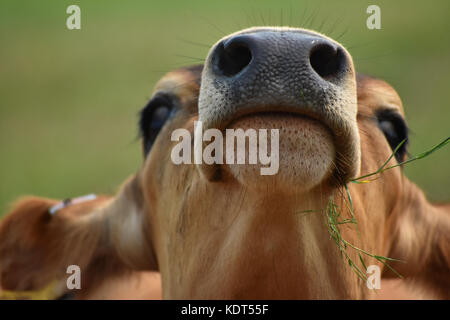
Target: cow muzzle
(294, 80)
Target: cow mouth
(306, 149)
(274, 114)
(292, 77)
(313, 146)
(292, 125)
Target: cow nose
(283, 70)
(241, 54)
(327, 60)
(233, 55)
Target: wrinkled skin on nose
(284, 70)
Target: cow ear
(36, 246)
(104, 237)
(130, 231)
(422, 241)
(22, 234)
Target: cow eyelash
(153, 117)
(394, 128)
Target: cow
(224, 231)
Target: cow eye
(394, 127)
(153, 117)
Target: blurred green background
(69, 99)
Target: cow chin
(305, 148)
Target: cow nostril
(233, 58)
(327, 60)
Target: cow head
(226, 231)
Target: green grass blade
(417, 157)
(384, 164)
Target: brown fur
(222, 240)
